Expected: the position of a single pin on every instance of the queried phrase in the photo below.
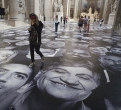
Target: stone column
(28, 5)
(3, 4)
(76, 9)
(36, 8)
(65, 7)
(107, 10)
(48, 10)
(68, 8)
(95, 5)
(117, 22)
(80, 8)
(101, 9)
(88, 5)
(13, 14)
(13, 10)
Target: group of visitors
(84, 22)
(62, 19)
(57, 22)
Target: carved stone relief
(21, 6)
(58, 7)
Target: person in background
(94, 20)
(88, 24)
(100, 23)
(61, 19)
(85, 23)
(44, 18)
(102, 20)
(35, 38)
(56, 23)
(64, 20)
(80, 23)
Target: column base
(111, 18)
(17, 23)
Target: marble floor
(81, 71)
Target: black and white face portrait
(119, 44)
(67, 83)
(7, 35)
(111, 62)
(98, 50)
(13, 76)
(108, 41)
(21, 38)
(22, 43)
(55, 44)
(44, 41)
(116, 50)
(9, 41)
(79, 53)
(6, 55)
(46, 52)
(80, 45)
(65, 37)
(97, 38)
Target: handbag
(34, 37)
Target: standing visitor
(102, 20)
(35, 38)
(85, 23)
(100, 23)
(56, 23)
(44, 19)
(88, 24)
(64, 20)
(94, 20)
(80, 23)
(61, 19)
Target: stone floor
(81, 71)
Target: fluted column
(101, 9)
(76, 9)
(65, 7)
(80, 8)
(48, 9)
(27, 3)
(37, 6)
(117, 22)
(13, 14)
(107, 10)
(3, 4)
(13, 10)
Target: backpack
(33, 36)
(85, 21)
(80, 22)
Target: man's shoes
(32, 64)
(42, 59)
